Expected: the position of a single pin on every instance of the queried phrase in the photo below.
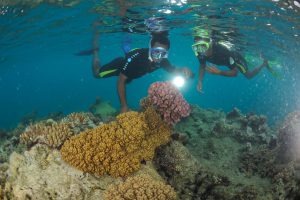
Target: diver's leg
(96, 62)
(242, 65)
(256, 70)
(111, 69)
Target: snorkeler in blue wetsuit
(217, 53)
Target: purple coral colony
(167, 150)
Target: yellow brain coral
(117, 148)
(141, 187)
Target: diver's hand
(212, 70)
(124, 109)
(266, 63)
(187, 72)
(199, 87)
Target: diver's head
(158, 49)
(201, 45)
(202, 41)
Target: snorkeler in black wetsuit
(207, 50)
(136, 64)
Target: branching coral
(117, 148)
(53, 134)
(141, 187)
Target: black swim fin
(86, 52)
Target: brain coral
(141, 187)
(118, 147)
(52, 134)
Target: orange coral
(141, 187)
(117, 148)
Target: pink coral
(168, 101)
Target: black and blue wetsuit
(221, 55)
(134, 65)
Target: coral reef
(29, 118)
(244, 150)
(3, 177)
(103, 109)
(244, 128)
(117, 148)
(278, 163)
(289, 139)
(168, 101)
(10, 143)
(3, 133)
(140, 187)
(56, 116)
(226, 156)
(8, 146)
(182, 171)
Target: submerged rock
(103, 109)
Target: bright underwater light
(178, 81)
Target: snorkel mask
(158, 53)
(203, 40)
(201, 46)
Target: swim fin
(272, 71)
(86, 52)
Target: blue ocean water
(39, 71)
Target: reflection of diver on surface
(206, 49)
(156, 26)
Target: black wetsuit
(135, 64)
(224, 57)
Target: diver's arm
(185, 71)
(123, 8)
(122, 92)
(201, 75)
(96, 62)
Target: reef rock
(41, 174)
(103, 109)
